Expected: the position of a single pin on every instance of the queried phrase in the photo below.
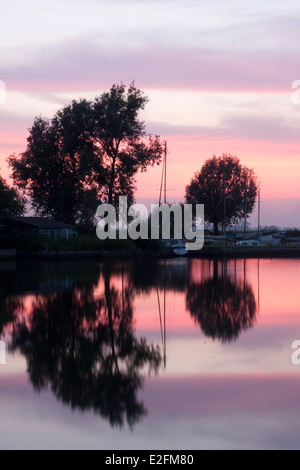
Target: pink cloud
(80, 65)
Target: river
(150, 354)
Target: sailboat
(176, 246)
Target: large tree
(53, 169)
(123, 146)
(221, 176)
(11, 204)
(89, 153)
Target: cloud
(217, 45)
(240, 127)
(84, 65)
(267, 128)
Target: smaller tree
(11, 203)
(224, 178)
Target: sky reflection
(228, 381)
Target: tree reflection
(224, 306)
(10, 305)
(17, 281)
(83, 347)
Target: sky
(219, 76)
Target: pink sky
(219, 77)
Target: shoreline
(248, 252)
(206, 252)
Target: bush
(26, 242)
(293, 233)
(87, 243)
(38, 243)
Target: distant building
(41, 225)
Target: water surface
(177, 354)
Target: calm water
(181, 354)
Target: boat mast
(245, 207)
(164, 177)
(259, 201)
(165, 321)
(224, 207)
(165, 189)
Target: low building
(40, 225)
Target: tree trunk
(110, 193)
(216, 272)
(110, 319)
(216, 227)
(112, 181)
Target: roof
(42, 223)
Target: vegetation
(84, 347)
(89, 153)
(219, 176)
(11, 203)
(41, 243)
(293, 233)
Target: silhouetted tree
(222, 306)
(53, 169)
(123, 146)
(10, 307)
(11, 203)
(207, 187)
(88, 153)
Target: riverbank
(6, 255)
(206, 252)
(247, 252)
(44, 255)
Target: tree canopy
(221, 175)
(11, 203)
(90, 152)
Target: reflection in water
(74, 324)
(19, 282)
(85, 350)
(9, 304)
(222, 304)
(8, 308)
